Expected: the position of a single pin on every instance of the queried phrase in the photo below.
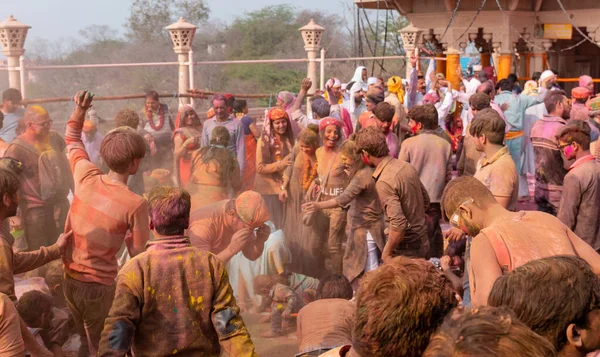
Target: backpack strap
(25, 145)
(501, 250)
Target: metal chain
(572, 24)
(451, 19)
(472, 21)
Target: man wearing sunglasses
(46, 178)
(504, 240)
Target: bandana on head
(277, 113)
(580, 93)
(252, 209)
(372, 80)
(394, 85)
(325, 122)
(337, 83)
(287, 98)
(431, 98)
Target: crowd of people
(155, 237)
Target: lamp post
(409, 34)
(182, 34)
(311, 34)
(12, 38)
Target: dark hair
(310, 135)
(230, 100)
(152, 94)
(426, 114)
(32, 305)
(9, 182)
(225, 158)
(195, 122)
(489, 123)
(399, 306)
(169, 210)
(486, 331)
(536, 76)
(127, 117)
(479, 101)
(120, 147)
(552, 99)
(239, 105)
(372, 140)
(463, 188)
(10, 164)
(505, 85)
(513, 78)
(12, 94)
(577, 131)
(320, 107)
(549, 294)
(384, 112)
(334, 287)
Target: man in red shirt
(103, 212)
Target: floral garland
(161, 122)
(277, 148)
(309, 174)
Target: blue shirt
(8, 132)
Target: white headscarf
(357, 78)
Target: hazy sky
(55, 19)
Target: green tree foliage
(148, 18)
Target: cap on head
(580, 93)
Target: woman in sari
(186, 139)
(215, 171)
(329, 224)
(273, 156)
(251, 135)
(367, 226)
(296, 182)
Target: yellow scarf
(395, 85)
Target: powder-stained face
(347, 161)
(280, 104)
(337, 91)
(41, 127)
(280, 126)
(414, 126)
(384, 126)
(567, 149)
(370, 105)
(307, 149)
(332, 135)
(152, 104)
(220, 108)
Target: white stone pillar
(410, 37)
(311, 34)
(12, 38)
(182, 34)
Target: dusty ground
(273, 347)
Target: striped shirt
(102, 212)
